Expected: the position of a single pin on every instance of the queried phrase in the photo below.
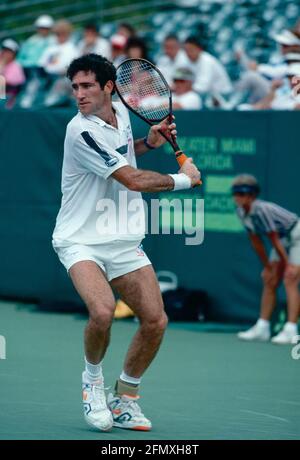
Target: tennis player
(282, 228)
(99, 167)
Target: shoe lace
(98, 392)
(133, 405)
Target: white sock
(263, 323)
(127, 379)
(93, 372)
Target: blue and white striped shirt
(266, 217)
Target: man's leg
(140, 290)
(92, 286)
(95, 291)
(262, 330)
(268, 298)
(291, 282)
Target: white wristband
(181, 181)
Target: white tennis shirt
(96, 208)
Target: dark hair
(193, 40)
(136, 42)
(103, 69)
(127, 26)
(171, 37)
(91, 26)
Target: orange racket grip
(181, 159)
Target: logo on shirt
(111, 162)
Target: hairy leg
(268, 299)
(140, 290)
(291, 282)
(93, 287)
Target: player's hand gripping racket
(144, 91)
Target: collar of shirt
(101, 122)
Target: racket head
(143, 89)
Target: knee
(290, 280)
(157, 325)
(101, 318)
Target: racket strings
(143, 89)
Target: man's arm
(154, 138)
(150, 181)
(140, 147)
(143, 181)
(259, 248)
(276, 243)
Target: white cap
(286, 37)
(292, 57)
(118, 41)
(184, 73)
(44, 22)
(10, 45)
(293, 69)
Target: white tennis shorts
(291, 244)
(115, 258)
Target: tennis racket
(143, 89)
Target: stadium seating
(223, 26)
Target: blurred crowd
(34, 70)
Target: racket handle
(181, 159)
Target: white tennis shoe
(127, 413)
(96, 412)
(286, 335)
(256, 332)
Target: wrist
(146, 143)
(181, 181)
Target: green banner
(222, 144)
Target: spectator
(136, 48)
(257, 79)
(283, 97)
(11, 70)
(183, 95)
(33, 48)
(172, 58)
(92, 42)
(211, 75)
(118, 44)
(289, 43)
(57, 57)
(126, 30)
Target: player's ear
(109, 87)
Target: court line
(266, 415)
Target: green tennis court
(204, 384)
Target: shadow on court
(204, 384)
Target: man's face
(243, 199)
(88, 93)
(182, 86)
(171, 47)
(62, 35)
(43, 31)
(90, 36)
(192, 51)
